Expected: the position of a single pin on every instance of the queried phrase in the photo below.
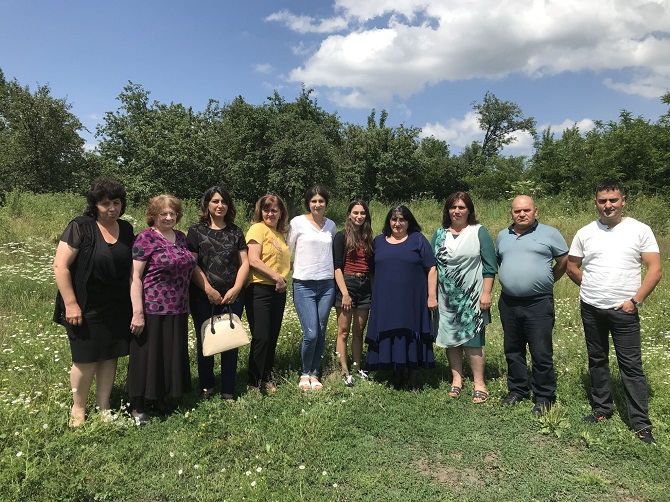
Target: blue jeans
(313, 301)
(201, 310)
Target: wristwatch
(636, 303)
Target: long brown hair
(355, 235)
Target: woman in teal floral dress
(466, 266)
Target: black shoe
(161, 408)
(645, 436)
(141, 418)
(511, 399)
(595, 417)
(207, 394)
(541, 408)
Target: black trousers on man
(529, 321)
(625, 330)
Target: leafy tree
(441, 176)
(632, 150)
(559, 166)
(303, 141)
(500, 120)
(40, 148)
(399, 173)
(156, 147)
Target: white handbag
(223, 332)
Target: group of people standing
(411, 294)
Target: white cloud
(263, 68)
(584, 125)
(307, 24)
(460, 133)
(416, 43)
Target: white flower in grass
(18, 454)
(324, 473)
(301, 467)
(180, 472)
(259, 469)
(171, 454)
(248, 473)
(253, 484)
(334, 485)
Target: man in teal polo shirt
(532, 256)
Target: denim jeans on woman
(313, 301)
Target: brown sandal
(455, 391)
(480, 394)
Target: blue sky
(424, 61)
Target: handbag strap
(230, 316)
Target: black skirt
(158, 365)
(101, 337)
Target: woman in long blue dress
(400, 335)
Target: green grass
(364, 443)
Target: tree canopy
(287, 146)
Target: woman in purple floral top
(162, 268)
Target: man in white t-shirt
(611, 251)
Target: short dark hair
(609, 185)
(316, 190)
(412, 224)
(451, 200)
(104, 188)
(209, 194)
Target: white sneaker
(349, 381)
(363, 375)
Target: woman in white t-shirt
(310, 241)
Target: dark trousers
(529, 321)
(625, 330)
(265, 311)
(201, 310)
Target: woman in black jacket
(92, 268)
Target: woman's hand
(213, 296)
(280, 285)
(137, 323)
(73, 314)
(432, 302)
(230, 296)
(346, 302)
(485, 301)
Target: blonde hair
(158, 203)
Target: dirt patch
(449, 475)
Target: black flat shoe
(645, 436)
(595, 417)
(512, 399)
(141, 418)
(162, 409)
(207, 394)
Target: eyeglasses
(165, 214)
(271, 211)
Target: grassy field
(362, 443)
